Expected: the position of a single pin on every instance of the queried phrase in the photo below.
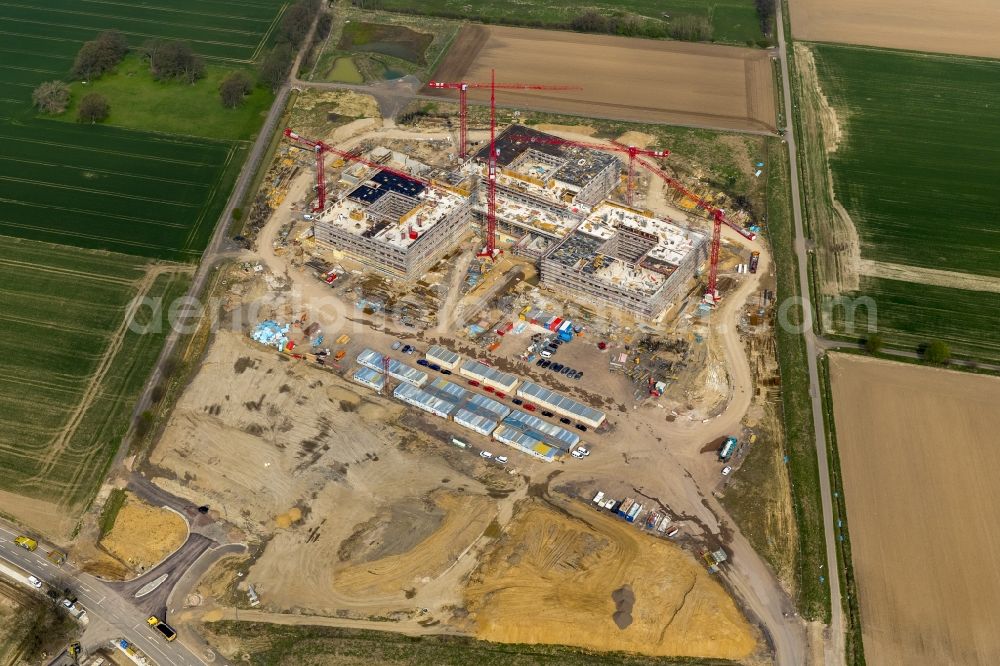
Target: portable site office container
(561, 405)
(444, 357)
(512, 435)
(373, 379)
(481, 424)
(421, 399)
(487, 376)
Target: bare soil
(966, 28)
(143, 534)
(921, 500)
(628, 79)
(622, 590)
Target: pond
(344, 71)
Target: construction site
(429, 327)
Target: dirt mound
(573, 567)
(143, 534)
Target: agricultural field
(966, 28)
(909, 314)
(920, 508)
(730, 21)
(622, 78)
(142, 193)
(75, 355)
(918, 162)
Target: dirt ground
(10, 609)
(921, 501)
(143, 534)
(623, 78)
(561, 568)
(965, 28)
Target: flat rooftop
(397, 212)
(626, 248)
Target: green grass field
(66, 397)
(138, 101)
(733, 21)
(919, 169)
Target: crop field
(968, 27)
(732, 21)
(71, 363)
(914, 447)
(639, 80)
(910, 314)
(154, 195)
(920, 159)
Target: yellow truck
(165, 629)
(26, 542)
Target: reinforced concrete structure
(394, 225)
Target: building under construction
(552, 207)
(394, 225)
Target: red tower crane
(635, 155)
(490, 250)
(321, 148)
(463, 102)
(631, 151)
(718, 219)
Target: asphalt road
(834, 647)
(111, 615)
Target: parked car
(546, 353)
(500, 394)
(576, 453)
(566, 371)
(35, 583)
(445, 371)
(517, 401)
(557, 367)
(489, 389)
(502, 460)
(407, 349)
(726, 470)
(539, 362)
(546, 364)
(473, 382)
(578, 375)
(423, 362)
(546, 412)
(530, 407)
(580, 426)
(435, 367)
(486, 454)
(584, 450)
(565, 420)
(396, 345)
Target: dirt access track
(968, 28)
(639, 80)
(921, 502)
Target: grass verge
(109, 514)
(854, 646)
(277, 645)
(814, 593)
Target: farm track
(59, 443)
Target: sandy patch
(143, 534)
(921, 504)
(890, 271)
(585, 130)
(558, 578)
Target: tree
(874, 343)
(274, 69)
(51, 97)
(234, 88)
(237, 214)
(174, 60)
(295, 24)
(99, 55)
(93, 108)
(937, 352)
(765, 14)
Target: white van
(546, 353)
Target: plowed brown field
(969, 27)
(915, 448)
(639, 80)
